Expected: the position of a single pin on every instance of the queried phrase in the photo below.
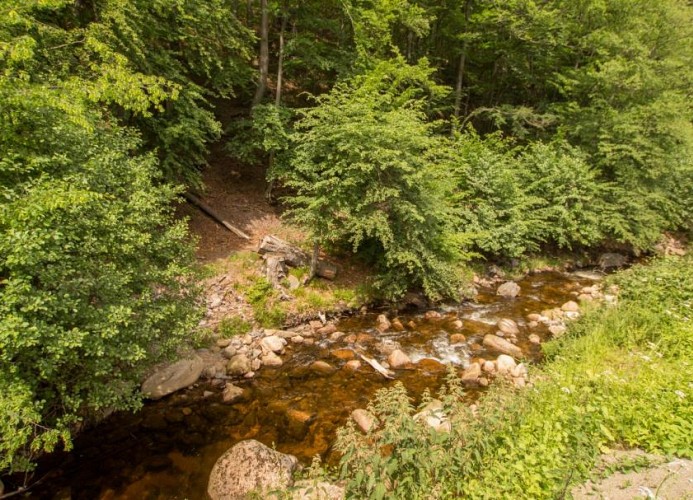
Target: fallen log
(377, 366)
(294, 256)
(214, 216)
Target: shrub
(509, 201)
(365, 178)
(233, 325)
(95, 277)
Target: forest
(418, 136)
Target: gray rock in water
(238, 365)
(398, 359)
(501, 345)
(232, 393)
(612, 260)
(589, 275)
(364, 419)
(174, 377)
(570, 306)
(322, 368)
(472, 373)
(382, 324)
(508, 326)
(271, 359)
(509, 289)
(250, 467)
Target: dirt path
(236, 192)
(635, 474)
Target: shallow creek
(168, 449)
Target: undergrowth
(621, 377)
(270, 310)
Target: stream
(167, 449)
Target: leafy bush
(263, 298)
(621, 376)
(95, 278)
(509, 201)
(365, 178)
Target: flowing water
(168, 449)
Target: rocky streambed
(292, 389)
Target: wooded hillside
(417, 134)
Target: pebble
(457, 338)
(353, 365)
(557, 330)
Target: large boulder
(508, 289)
(498, 344)
(173, 377)
(250, 467)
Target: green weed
(233, 325)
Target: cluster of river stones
(251, 466)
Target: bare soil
(661, 479)
(237, 192)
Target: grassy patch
(622, 376)
(233, 325)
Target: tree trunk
(264, 54)
(277, 101)
(215, 216)
(314, 260)
(280, 63)
(460, 78)
(463, 59)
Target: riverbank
(620, 377)
(169, 447)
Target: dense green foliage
(621, 376)
(416, 133)
(95, 285)
(571, 126)
(364, 173)
(95, 280)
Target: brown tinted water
(167, 450)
